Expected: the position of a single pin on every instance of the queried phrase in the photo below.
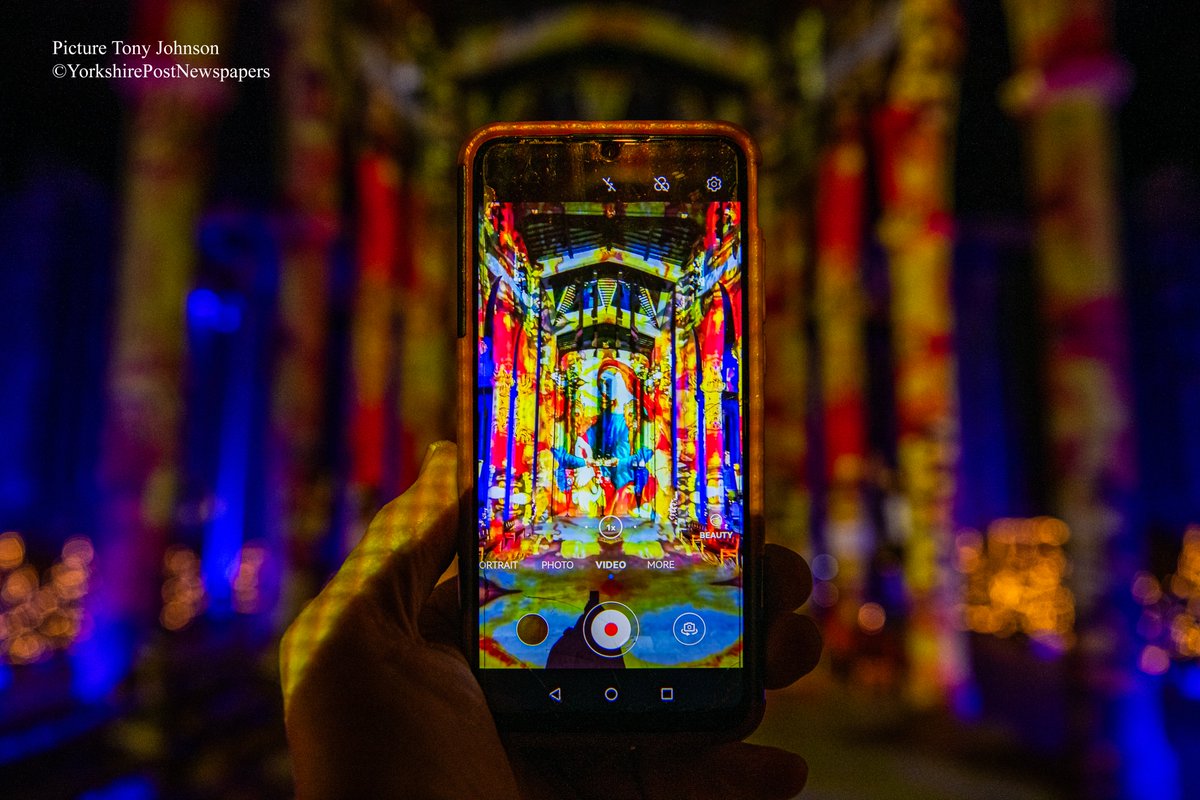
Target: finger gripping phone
(610, 426)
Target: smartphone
(610, 430)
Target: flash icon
(608, 182)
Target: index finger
(787, 580)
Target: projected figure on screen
(587, 496)
(621, 465)
(623, 470)
(578, 475)
(607, 475)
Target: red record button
(611, 629)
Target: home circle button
(610, 694)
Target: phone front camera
(610, 151)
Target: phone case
(753, 371)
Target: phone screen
(609, 294)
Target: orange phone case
(754, 338)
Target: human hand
(380, 702)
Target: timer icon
(714, 183)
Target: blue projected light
(102, 660)
(206, 309)
(235, 331)
(134, 787)
(1188, 681)
(1152, 771)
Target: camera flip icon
(688, 629)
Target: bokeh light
(40, 615)
(871, 617)
(183, 593)
(12, 550)
(1016, 580)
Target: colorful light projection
(402, 359)
(576, 357)
(609, 383)
(299, 499)
(841, 186)
(914, 130)
(1066, 83)
(373, 467)
(490, 49)
(139, 467)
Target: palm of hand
(380, 701)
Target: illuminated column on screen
(539, 475)
(839, 310)
(688, 397)
(1066, 85)
(163, 190)
(709, 346)
(914, 130)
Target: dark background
(153, 724)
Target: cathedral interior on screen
(609, 386)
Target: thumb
(389, 574)
(410, 542)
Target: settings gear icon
(714, 183)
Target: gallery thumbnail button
(532, 629)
